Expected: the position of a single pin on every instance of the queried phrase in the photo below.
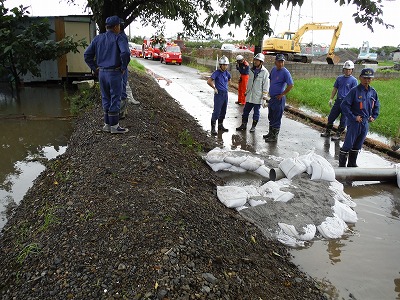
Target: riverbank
(136, 216)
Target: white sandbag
(232, 196)
(236, 169)
(289, 240)
(256, 202)
(344, 212)
(263, 171)
(215, 155)
(398, 174)
(292, 167)
(241, 207)
(283, 196)
(308, 235)
(268, 187)
(340, 195)
(306, 159)
(332, 228)
(321, 169)
(252, 163)
(234, 160)
(219, 166)
(251, 190)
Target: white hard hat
(259, 56)
(239, 57)
(348, 64)
(223, 60)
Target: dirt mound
(343, 54)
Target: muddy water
(365, 262)
(34, 126)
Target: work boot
(221, 126)
(268, 134)
(106, 128)
(343, 158)
(118, 129)
(328, 130)
(352, 158)
(213, 131)
(123, 109)
(243, 126)
(253, 126)
(339, 132)
(274, 135)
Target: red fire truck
(151, 49)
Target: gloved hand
(264, 103)
(240, 79)
(330, 102)
(215, 91)
(266, 97)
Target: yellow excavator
(288, 43)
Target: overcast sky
(352, 34)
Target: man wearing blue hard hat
(108, 56)
(361, 106)
(281, 83)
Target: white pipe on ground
(350, 174)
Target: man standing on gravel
(281, 83)
(343, 84)
(360, 106)
(108, 56)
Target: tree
(253, 14)
(25, 43)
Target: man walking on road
(108, 56)
(219, 81)
(360, 106)
(257, 90)
(281, 83)
(343, 84)
(243, 67)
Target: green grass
(136, 65)
(314, 93)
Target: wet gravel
(136, 216)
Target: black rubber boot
(274, 135)
(352, 158)
(213, 131)
(268, 134)
(328, 130)
(253, 126)
(243, 126)
(221, 126)
(339, 132)
(343, 158)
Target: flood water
(364, 263)
(34, 126)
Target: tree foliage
(25, 43)
(199, 16)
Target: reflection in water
(31, 130)
(397, 287)
(334, 250)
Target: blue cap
(280, 57)
(367, 73)
(113, 20)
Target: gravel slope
(135, 216)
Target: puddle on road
(364, 263)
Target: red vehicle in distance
(150, 49)
(171, 54)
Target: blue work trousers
(124, 95)
(220, 105)
(355, 135)
(247, 109)
(111, 89)
(275, 111)
(335, 112)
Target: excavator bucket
(332, 59)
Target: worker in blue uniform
(360, 106)
(281, 83)
(219, 81)
(108, 56)
(343, 84)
